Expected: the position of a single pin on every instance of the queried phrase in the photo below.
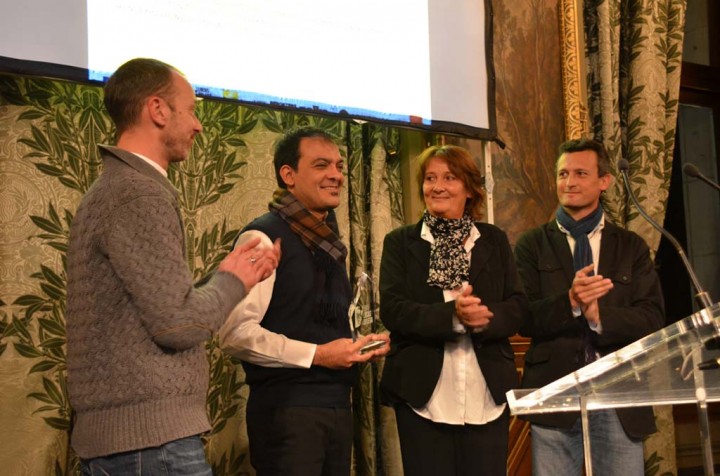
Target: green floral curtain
(49, 131)
(634, 52)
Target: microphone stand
(704, 300)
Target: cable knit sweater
(136, 325)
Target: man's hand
(470, 311)
(252, 262)
(344, 353)
(585, 292)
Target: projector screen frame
(24, 67)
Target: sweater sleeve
(145, 247)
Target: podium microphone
(702, 296)
(692, 171)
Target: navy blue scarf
(579, 230)
(582, 256)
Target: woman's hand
(470, 311)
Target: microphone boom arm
(702, 296)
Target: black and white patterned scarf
(449, 265)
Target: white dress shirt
(461, 395)
(154, 164)
(244, 337)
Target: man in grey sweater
(136, 324)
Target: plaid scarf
(316, 234)
(449, 265)
(332, 288)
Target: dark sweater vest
(293, 313)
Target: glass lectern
(677, 364)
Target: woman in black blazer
(451, 298)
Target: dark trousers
(300, 441)
(431, 449)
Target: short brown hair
(129, 87)
(462, 165)
(581, 145)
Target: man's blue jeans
(183, 457)
(559, 452)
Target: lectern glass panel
(662, 368)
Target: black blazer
(630, 311)
(420, 322)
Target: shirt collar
(154, 164)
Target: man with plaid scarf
(292, 332)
